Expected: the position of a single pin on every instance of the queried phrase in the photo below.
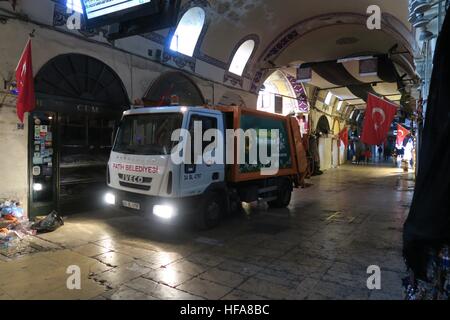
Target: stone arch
(174, 84)
(277, 85)
(390, 25)
(323, 125)
(81, 77)
(336, 126)
(232, 99)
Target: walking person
(387, 153)
(367, 155)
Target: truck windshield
(147, 134)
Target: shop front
(79, 104)
(325, 143)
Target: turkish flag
(26, 100)
(378, 120)
(402, 133)
(343, 136)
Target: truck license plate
(131, 205)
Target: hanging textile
(427, 228)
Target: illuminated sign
(100, 8)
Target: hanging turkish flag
(26, 100)
(343, 136)
(402, 133)
(378, 120)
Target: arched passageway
(277, 95)
(80, 100)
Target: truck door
(196, 178)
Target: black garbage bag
(51, 222)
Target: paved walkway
(319, 248)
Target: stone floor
(318, 248)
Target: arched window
(241, 57)
(74, 5)
(170, 84)
(188, 31)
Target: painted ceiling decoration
(303, 105)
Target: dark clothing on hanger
(428, 225)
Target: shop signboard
(104, 12)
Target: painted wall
(13, 159)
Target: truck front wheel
(283, 196)
(211, 213)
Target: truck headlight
(164, 211)
(110, 199)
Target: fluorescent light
(339, 106)
(328, 98)
(110, 199)
(354, 59)
(164, 211)
(38, 187)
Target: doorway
(80, 101)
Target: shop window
(241, 57)
(84, 148)
(208, 123)
(188, 31)
(74, 5)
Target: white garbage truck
(144, 175)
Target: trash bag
(51, 222)
(11, 208)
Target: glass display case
(85, 143)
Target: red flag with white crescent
(26, 100)
(378, 120)
(402, 133)
(343, 136)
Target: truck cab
(141, 173)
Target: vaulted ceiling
(292, 32)
(326, 29)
